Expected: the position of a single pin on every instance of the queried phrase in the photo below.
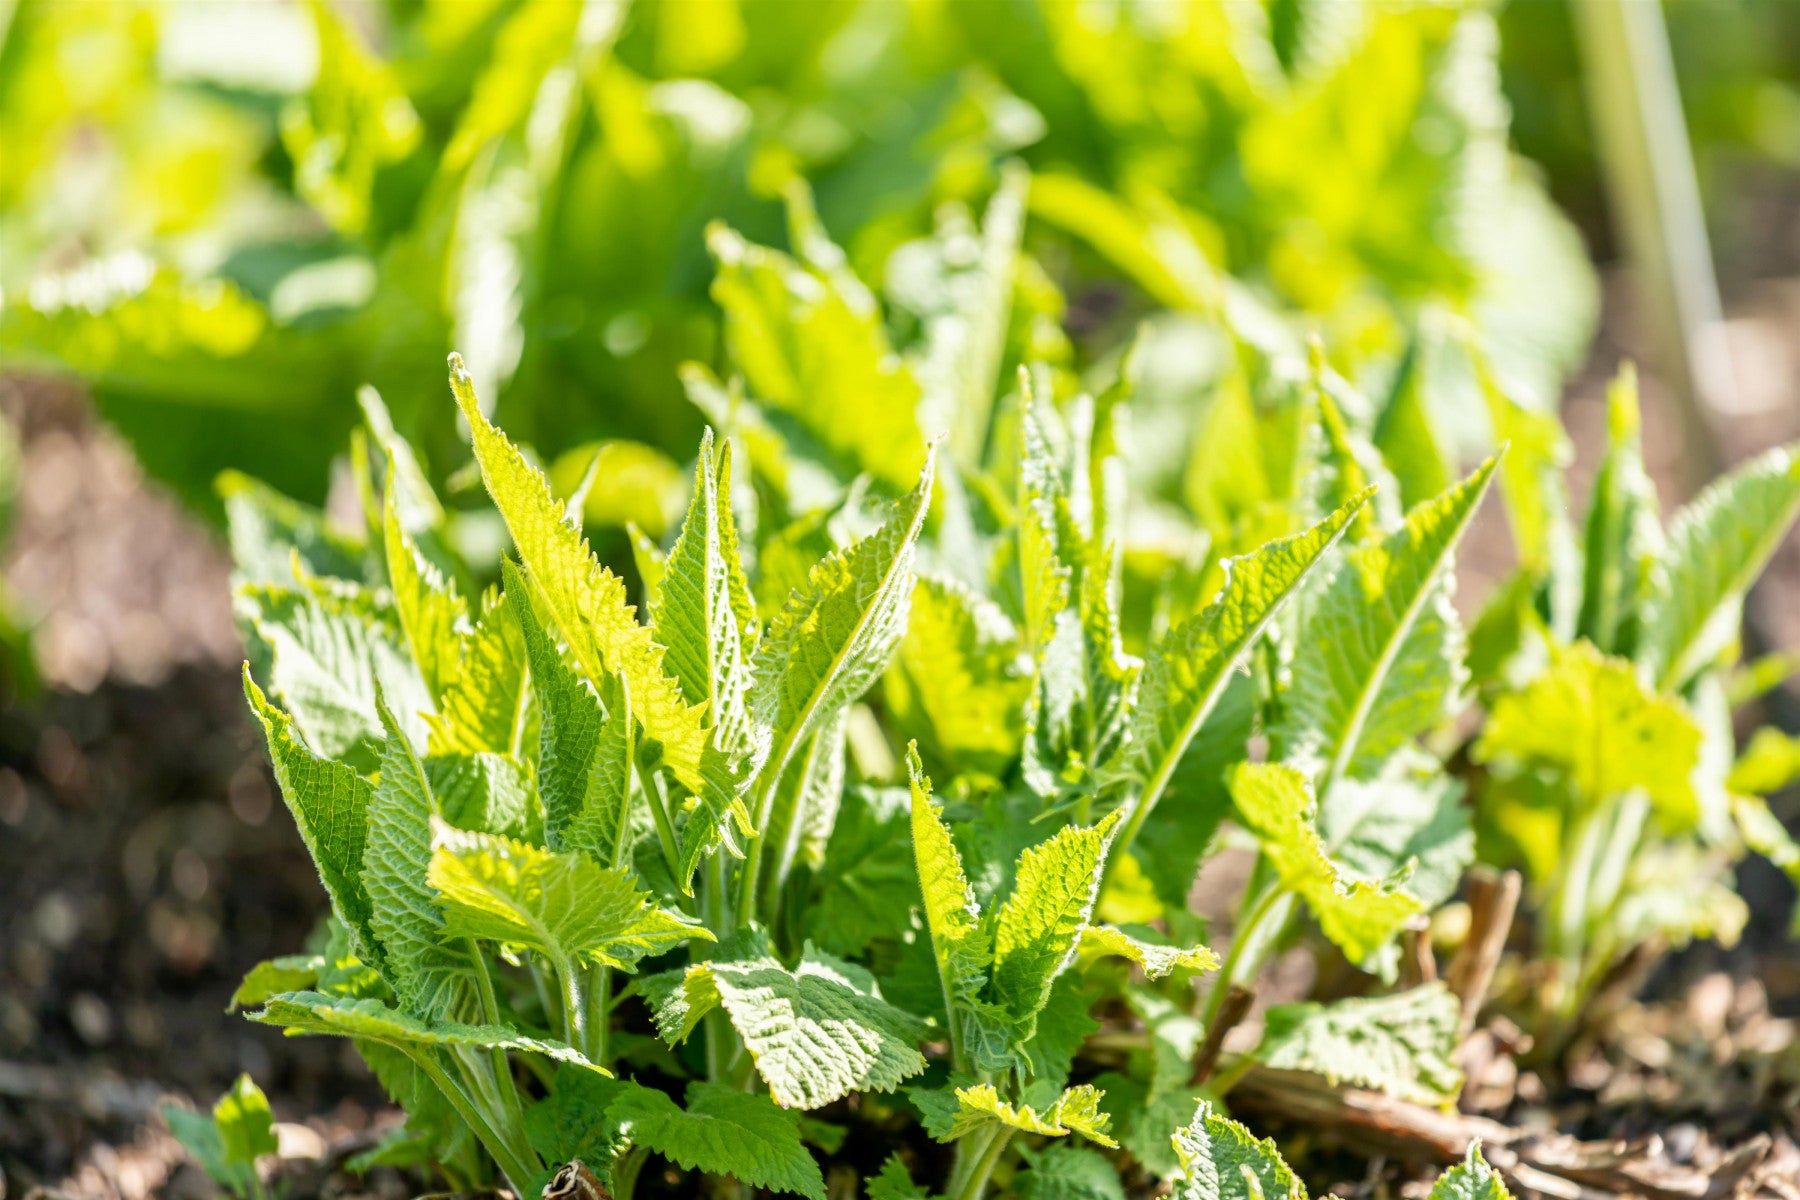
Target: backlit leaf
(1359, 915)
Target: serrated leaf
(330, 803)
(1063, 1026)
(895, 1182)
(1624, 536)
(1400, 1044)
(487, 706)
(584, 753)
(705, 615)
(396, 857)
(1275, 803)
(1157, 961)
(245, 1124)
(833, 638)
(331, 652)
(955, 683)
(266, 529)
(572, 1122)
(301, 1013)
(867, 884)
(564, 906)
(1590, 720)
(816, 1033)
(486, 793)
(1717, 547)
(431, 613)
(1063, 1172)
(1076, 1110)
(961, 944)
(1378, 655)
(1471, 1179)
(586, 600)
(723, 1132)
(1221, 1160)
(1191, 666)
(1038, 926)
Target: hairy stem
(983, 1170)
(518, 1161)
(574, 1003)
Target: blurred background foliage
(225, 217)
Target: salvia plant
(871, 826)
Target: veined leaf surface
(1076, 1110)
(705, 615)
(833, 638)
(396, 859)
(1470, 1179)
(584, 755)
(332, 650)
(431, 613)
(1275, 803)
(315, 1013)
(1378, 656)
(487, 707)
(1400, 1044)
(330, 803)
(724, 1132)
(586, 600)
(564, 906)
(1190, 668)
(1717, 546)
(1039, 924)
(1221, 1160)
(817, 1032)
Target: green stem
(977, 1181)
(546, 997)
(768, 782)
(520, 1164)
(665, 827)
(574, 1006)
(716, 1026)
(490, 1013)
(599, 1013)
(625, 1172)
(1244, 959)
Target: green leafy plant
(898, 784)
(1608, 753)
(228, 1141)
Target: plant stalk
(520, 1164)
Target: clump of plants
(864, 834)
